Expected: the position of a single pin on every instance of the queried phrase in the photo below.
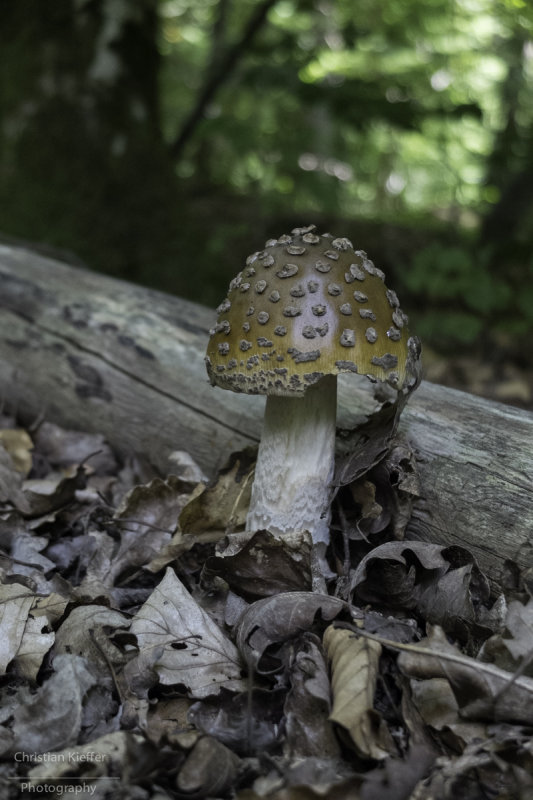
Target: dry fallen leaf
(209, 770)
(511, 647)
(443, 584)
(354, 671)
(183, 644)
(249, 722)
(277, 619)
(308, 731)
(266, 565)
(83, 633)
(483, 691)
(17, 442)
(147, 518)
(436, 703)
(178, 545)
(497, 767)
(46, 496)
(167, 722)
(366, 445)
(74, 677)
(25, 622)
(63, 448)
(224, 504)
(51, 718)
(519, 623)
(345, 789)
(381, 499)
(11, 492)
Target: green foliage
(359, 115)
(407, 111)
(458, 290)
(359, 108)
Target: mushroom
(302, 310)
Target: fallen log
(97, 354)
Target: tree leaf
(277, 619)
(444, 584)
(19, 445)
(266, 565)
(183, 644)
(309, 732)
(82, 632)
(483, 691)
(354, 671)
(249, 722)
(51, 718)
(23, 616)
(224, 504)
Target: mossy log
(97, 354)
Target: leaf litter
(151, 650)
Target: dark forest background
(162, 140)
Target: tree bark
(97, 354)
(83, 162)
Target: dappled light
(181, 132)
(266, 394)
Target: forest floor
(506, 378)
(141, 659)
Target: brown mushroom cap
(304, 307)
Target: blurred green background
(162, 140)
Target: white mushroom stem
(295, 463)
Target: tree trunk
(83, 163)
(97, 354)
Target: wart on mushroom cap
(301, 311)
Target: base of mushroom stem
(233, 543)
(295, 463)
(295, 541)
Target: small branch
(482, 668)
(215, 80)
(218, 37)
